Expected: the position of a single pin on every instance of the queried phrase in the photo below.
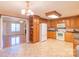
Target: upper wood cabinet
(76, 22)
(70, 23)
(54, 24)
(67, 22)
(51, 23)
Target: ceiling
(13, 8)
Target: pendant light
(27, 11)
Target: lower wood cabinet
(69, 37)
(51, 35)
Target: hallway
(48, 48)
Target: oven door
(60, 35)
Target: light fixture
(23, 11)
(53, 14)
(21, 21)
(27, 11)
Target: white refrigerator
(43, 32)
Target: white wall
(1, 32)
(27, 31)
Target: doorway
(13, 31)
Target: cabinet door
(38, 27)
(77, 23)
(35, 29)
(49, 24)
(51, 35)
(72, 23)
(69, 37)
(67, 21)
(54, 24)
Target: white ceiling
(13, 8)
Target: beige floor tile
(49, 48)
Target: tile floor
(49, 48)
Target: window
(15, 40)
(15, 27)
(12, 41)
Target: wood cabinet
(70, 23)
(77, 22)
(69, 37)
(51, 23)
(51, 35)
(67, 22)
(34, 29)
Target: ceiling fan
(27, 11)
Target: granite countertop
(52, 30)
(73, 31)
(67, 30)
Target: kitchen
(69, 31)
(72, 29)
(39, 28)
